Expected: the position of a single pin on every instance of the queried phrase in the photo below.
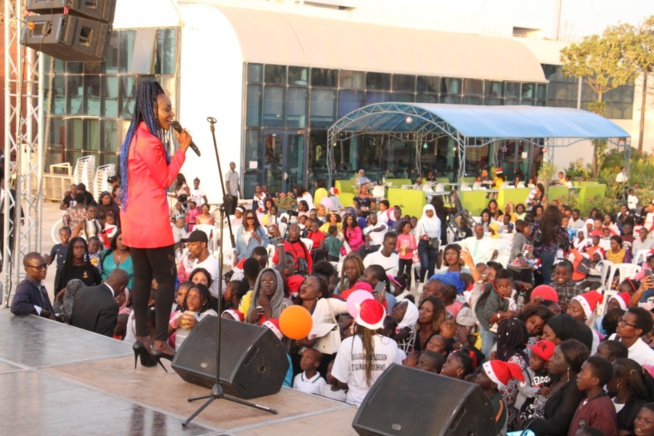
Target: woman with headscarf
(428, 232)
(563, 327)
(406, 314)
(268, 299)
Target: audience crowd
(549, 312)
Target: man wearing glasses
(31, 297)
(635, 323)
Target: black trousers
(230, 205)
(158, 264)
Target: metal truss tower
(23, 159)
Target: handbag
(331, 342)
(431, 242)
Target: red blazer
(146, 221)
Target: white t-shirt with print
(349, 366)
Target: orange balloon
(295, 322)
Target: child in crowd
(406, 246)
(309, 380)
(59, 251)
(431, 362)
(95, 248)
(596, 410)
(563, 284)
(333, 244)
(537, 373)
(612, 350)
(632, 200)
(438, 344)
(332, 389)
(460, 364)
(411, 359)
(490, 377)
(110, 228)
(234, 293)
(493, 306)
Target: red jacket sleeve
(154, 157)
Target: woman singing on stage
(146, 171)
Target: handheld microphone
(178, 129)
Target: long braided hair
(145, 109)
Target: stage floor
(56, 379)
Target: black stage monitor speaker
(253, 361)
(66, 37)
(101, 10)
(432, 405)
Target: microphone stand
(212, 122)
(217, 390)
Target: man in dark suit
(31, 297)
(95, 309)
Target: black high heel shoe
(140, 350)
(157, 355)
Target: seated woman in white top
(197, 303)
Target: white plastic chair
(308, 242)
(641, 256)
(505, 185)
(476, 186)
(606, 266)
(465, 187)
(624, 271)
(520, 184)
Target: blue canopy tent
(477, 126)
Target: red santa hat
(622, 299)
(273, 325)
(589, 301)
(371, 314)
(358, 286)
(499, 172)
(235, 314)
(502, 372)
(294, 283)
(333, 191)
(545, 292)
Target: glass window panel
(110, 64)
(324, 77)
(427, 98)
(377, 97)
(512, 90)
(57, 133)
(92, 68)
(471, 99)
(323, 107)
(254, 101)
(55, 156)
(407, 97)
(253, 162)
(297, 107)
(317, 153)
(528, 90)
(450, 99)
(473, 87)
(110, 90)
(166, 53)
(274, 106)
(93, 95)
(169, 85)
(107, 158)
(126, 51)
(275, 74)
(541, 91)
(75, 95)
(127, 96)
(450, 86)
(378, 81)
(492, 101)
(428, 84)
(75, 133)
(353, 79)
(92, 135)
(298, 76)
(403, 82)
(59, 95)
(349, 101)
(72, 156)
(255, 73)
(111, 138)
(142, 61)
(494, 89)
(75, 67)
